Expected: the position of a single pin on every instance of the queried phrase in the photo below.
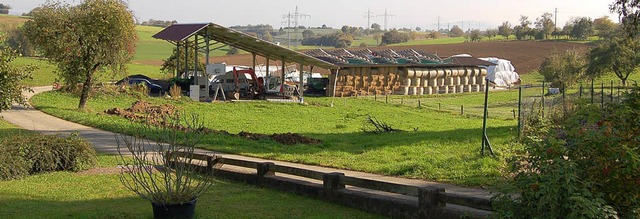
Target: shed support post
(177, 59)
(208, 50)
(195, 62)
(267, 77)
(186, 57)
(301, 86)
(282, 79)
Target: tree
(456, 31)
(344, 41)
(307, 34)
(604, 27)
(84, 39)
(393, 37)
(375, 26)
(490, 33)
(413, 35)
(629, 11)
(4, 9)
(563, 69)
(377, 37)
(582, 28)
(474, 35)
(435, 35)
(11, 78)
(418, 29)
(525, 30)
(19, 42)
(618, 55)
(505, 29)
(169, 64)
(34, 10)
(545, 24)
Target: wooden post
(461, 109)
(301, 86)
(331, 181)
(263, 169)
(428, 200)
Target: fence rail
(428, 197)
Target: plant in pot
(154, 171)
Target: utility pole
(439, 22)
(293, 19)
(386, 16)
(555, 23)
(368, 15)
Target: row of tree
(158, 23)
(4, 9)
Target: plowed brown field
(526, 56)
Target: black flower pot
(185, 210)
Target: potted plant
(154, 172)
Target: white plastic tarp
(503, 73)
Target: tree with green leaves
(545, 24)
(604, 27)
(456, 31)
(169, 64)
(4, 9)
(618, 55)
(563, 69)
(582, 28)
(505, 29)
(84, 39)
(629, 11)
(11, 79)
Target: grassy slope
(445, 147)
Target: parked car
(155, 87)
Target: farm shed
(407, 72)
(206, 37)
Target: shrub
(45, 153)
(12, 165)
(583, 165)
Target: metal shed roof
(388, 57)
(182, 32)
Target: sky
(468, 14)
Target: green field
(444, 147)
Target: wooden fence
(429, 198)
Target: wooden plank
(202, 157)
(297, 172)
(473, 202)
(236, 162)
(380, 186)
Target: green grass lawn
(445, 147)
(77, 195)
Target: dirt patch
(526, 56)
(293, 138)
(142, 111)
(286, 138)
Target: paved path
(104, 142)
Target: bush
(44, 153)
(583, 165)
(12, 165)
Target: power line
(289, 19)
(368, 15)
(386, 16)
